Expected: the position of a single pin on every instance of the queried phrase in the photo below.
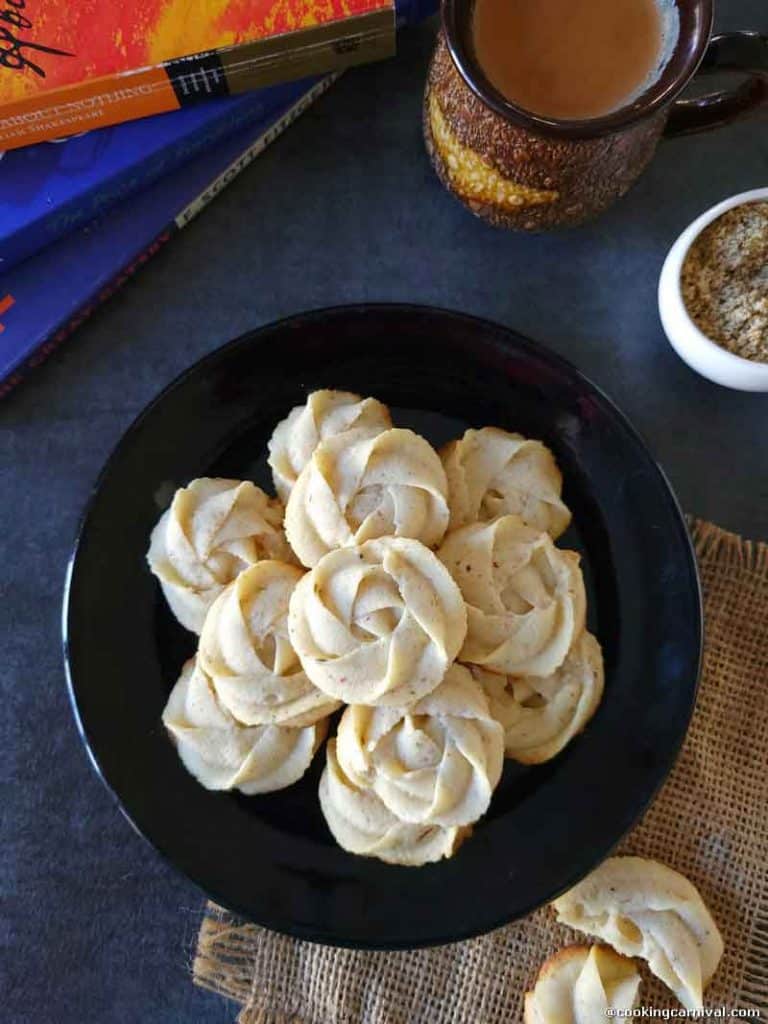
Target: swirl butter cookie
(580, 984)
(356, 488)
(212, 531)
(541, 714)
(324, 414)
(644, 908)
(435, 762)
(245, 649)
(493, 473)
(377, 624)
(222, 753)
(361, 824)
(525, 598)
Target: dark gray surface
(95, 927)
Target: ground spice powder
(725, 281)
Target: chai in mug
(573, 58)
(542, 113)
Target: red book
(69, 67)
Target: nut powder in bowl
(725, 281)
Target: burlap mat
(710, 822)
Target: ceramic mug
(521, 170)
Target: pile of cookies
(424, 594)
(422, 591)
(641, 908)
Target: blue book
(53, 188)
(45, 298)
(49, 190)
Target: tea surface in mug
(569, 59)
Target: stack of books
(120, 123)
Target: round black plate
(272, 858)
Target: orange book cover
(68, 67)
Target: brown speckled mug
(519, 170)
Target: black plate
(272, 858)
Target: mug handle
(732, 51)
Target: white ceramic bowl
(700, 352)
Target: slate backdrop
(344, 208)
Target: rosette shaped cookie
(223, 754)
(325, 414)
(361, 824)
(525, 598)
(357, 488)
(643, 908)
(213, 530)
(493, 473)
(580, 984)
(541, 714)
(377, 624)
(245, 649)
(435, 762)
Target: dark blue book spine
(80, 209)
(45, 299)
(50, 190)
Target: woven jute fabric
(710, 822)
